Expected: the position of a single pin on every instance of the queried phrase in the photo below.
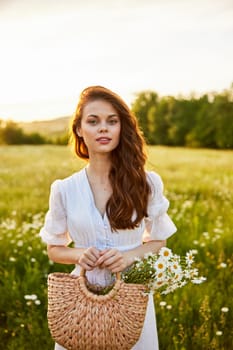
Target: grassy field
(198, 184)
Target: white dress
(73, 216)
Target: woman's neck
(99, 168)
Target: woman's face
(100, 127)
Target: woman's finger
(113, 260)
(86, 266)
(113, 254)
(94, 252)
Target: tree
(162, 122)
(141, 107)
(12, 134)
(223, 110)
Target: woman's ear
(78, 132)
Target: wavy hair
(127, 205)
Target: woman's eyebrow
(109, 116)
(113, 115)
(92, 115)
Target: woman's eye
(92, 121)
(113, 121)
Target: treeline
(12, 134)
(204, 121)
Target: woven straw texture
(80, 319)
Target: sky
(50, 50)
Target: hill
(49, 128)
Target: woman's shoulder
(68, 182)
(153, 178)
(155, 182)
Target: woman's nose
(103, 127)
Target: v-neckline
(92, 195)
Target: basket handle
(83, 273)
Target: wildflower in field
(222, 265)
(30, 297)
(20, 243)
(216, 237)
(218, 333)
(206, 235)
(162, 303)
(224, 309)
(9, 224)
(187, 204)
(217, 230)
(33, 260)
(169, 307)
(12, 259)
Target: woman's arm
(117, 261)
(86, 258)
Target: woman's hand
(113, 260)
(89, 258)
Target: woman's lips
(103, 140)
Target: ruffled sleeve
(55, 230)
(159, 226)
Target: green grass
(198, 184)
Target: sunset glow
(51, 50)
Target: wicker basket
(80, 319)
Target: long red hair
(127, 205)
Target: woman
(109, 208)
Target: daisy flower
(160, 265)
(165, 252)
(189, 258)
